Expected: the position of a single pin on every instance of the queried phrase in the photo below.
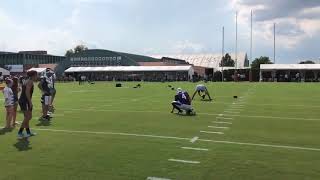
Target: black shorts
(25, 105)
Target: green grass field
(272, 131)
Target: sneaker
(20, 135)
(31, 134)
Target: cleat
(30, 135)
(20, 135)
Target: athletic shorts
(46, 100)
(25, 106)
(185, 107)
(200, 88)
(53, 91)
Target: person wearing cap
(202, 92)
(182, 102)
(8, 103)
(26, 105)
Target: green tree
(77, 49)
(307, 62)
(255, 66)
(69, 52)
(227, 61)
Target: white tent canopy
(4, 72)
(270, 67)
(38, 70)
(189, 69)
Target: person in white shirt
(202, 91)
(8, 103)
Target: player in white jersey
(202, 92)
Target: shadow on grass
(23, 145)
(43, 122)
(206, 100)
(5, 130)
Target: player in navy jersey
(182, 102)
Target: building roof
(290, 66)
(208, 60)
(129, 59)
(4, 72)
(129, 69)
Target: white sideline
(218, 127)
(196, 149)
(184, 161)
(211, 132)
(187, 139)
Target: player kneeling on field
(182, 102)
(202, 92)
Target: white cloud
(292, 28)
(187, 46)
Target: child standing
(8, 103)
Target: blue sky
(162, 26)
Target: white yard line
(184, 139)
(184, 161)
(196, 149)
(221, 122)
(218, 127)
(156, 178)
(224, 118)
(208, 114)
(211, 132)
(232, 112)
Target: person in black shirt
(25, 102)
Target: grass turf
(269, 114)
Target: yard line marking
(232, 112)
(156, 178)
(221, 122)
(184, 161)
(196, 149)
(217, 127)
(211, 132)
(193, 140)
(186, 139)
(262, 145)
(226, 118)
(265, 117)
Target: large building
(99, 57)
(20, 62)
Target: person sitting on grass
(182, 103)
(8, 103)
(25, 102)
(202, 92)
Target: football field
(271, 131)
